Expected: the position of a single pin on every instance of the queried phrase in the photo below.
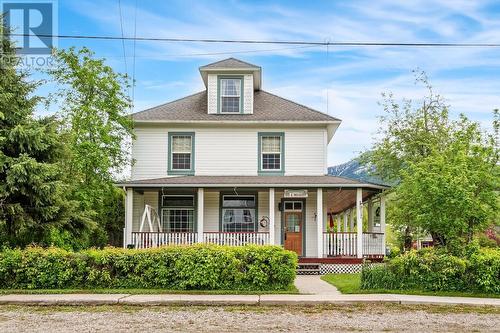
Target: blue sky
(352, 78)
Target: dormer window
(230, 89)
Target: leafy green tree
(33, 193)
(93, 106)
(446, 170)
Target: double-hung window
(230, 95)
(177, 213)
(181, 149)
(271, 152)
(238, 213)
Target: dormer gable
(230, 85)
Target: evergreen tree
(33, 201)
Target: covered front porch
(317, 217)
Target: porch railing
(344, 244)
(340, 244)
(373, 244)
(236, 238)
(143, 240)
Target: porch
(336, 244)
(335, 221)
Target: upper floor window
(271, 152)
(181, 151)
(230, 95)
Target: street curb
(228, 300)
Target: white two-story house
(234, 164)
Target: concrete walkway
(303, 300)
(312, 284)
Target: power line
(248, 41)
(122, 38)
(133, 62)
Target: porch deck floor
(312, 284)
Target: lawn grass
(351, 284)
(290, 290)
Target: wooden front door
(293, 231)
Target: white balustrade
(143, 240)
(344, 244)
(236, 238)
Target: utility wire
(248, 41)
(133, 62)
(122, 38)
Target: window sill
(181, 172)
(271, 173)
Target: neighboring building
(235, 164)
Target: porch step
(308, 269)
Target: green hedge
(200, 267)
(434, 270)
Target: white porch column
(359, 221)
(351, 220)
(319, 221)
(382, 219)
(345, 221)
(370, 215)
(271, 217)
(129, 209)
(199, 216)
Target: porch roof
(253, 181)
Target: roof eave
(257, 79)
(319, 122)
(364, 185)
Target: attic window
(230, 95)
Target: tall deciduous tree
(447, 170)
(93, 106)
(33, 194)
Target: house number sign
(295, 193)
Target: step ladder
(308, 269)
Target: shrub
(176, 267)
(484, 270)
(436, 270)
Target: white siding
(277, 218)
(229, 151)
(211, 211)
(140, 200)
(137, 210)
(263, 209)
(305, 152)
(310, 225)
(221, 151)
(248, 93)
(212, 93)
(150, 153)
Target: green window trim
(179, 192)
(186, 172)
(221, 77)
(240, 193)
(262, 172)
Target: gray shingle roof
(250, 181)
(267, 107)
(229, 63)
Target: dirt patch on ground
(366, 317)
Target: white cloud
(353, 77)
